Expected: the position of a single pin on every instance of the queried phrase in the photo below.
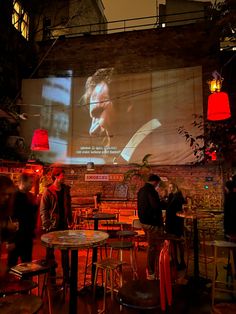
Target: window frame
(20, 19)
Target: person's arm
(154, 200)
(44, 211)
(8, 226)
(155, 206)
(69, 209)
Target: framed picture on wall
(121, 191)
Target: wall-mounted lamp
(218, 102)
(40, 140)
(215, 84)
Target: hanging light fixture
(218, 102)
(40, 140)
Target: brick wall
(204, 184)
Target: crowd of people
(19, 209)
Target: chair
(219, 285)
(165, 275)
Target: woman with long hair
(175, 225)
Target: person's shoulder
(66, 188)
(47, 189)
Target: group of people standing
(19, 209)
(150, 215)
(150, 208)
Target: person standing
(230, 213)
(174, 225)
(150, 216)
(229, 208)
(24, 212)
(56, 214)
(7, 227)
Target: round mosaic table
(74, 240)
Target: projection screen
(107, 118)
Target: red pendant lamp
(218, 102)
(218, 107)
(40, 140)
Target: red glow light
(218, 107)
(40, 140)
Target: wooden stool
(88, 260)
(224, 287)
(35, 269)
(127, 234)
(120, 246)
(20, 304)
(140, 294)
(110, 267)
(10, 284)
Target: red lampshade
(218, 106)
(40, 140)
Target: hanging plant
(140, 171)
(216, 140)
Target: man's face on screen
(100, 109)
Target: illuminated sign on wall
(104, 177)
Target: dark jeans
(23, 250)
(155, 239)
(50, 258)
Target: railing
(149, 22)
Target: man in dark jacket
(150, 216)
(24, 211)
(56, 214)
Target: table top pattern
(74, 239)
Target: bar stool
(140, 294)
(224, 287)
(36, 269)
(126, 234)
(110, 269)
(120, 246)
(88, 260)
(21, 304)
(11, 284)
